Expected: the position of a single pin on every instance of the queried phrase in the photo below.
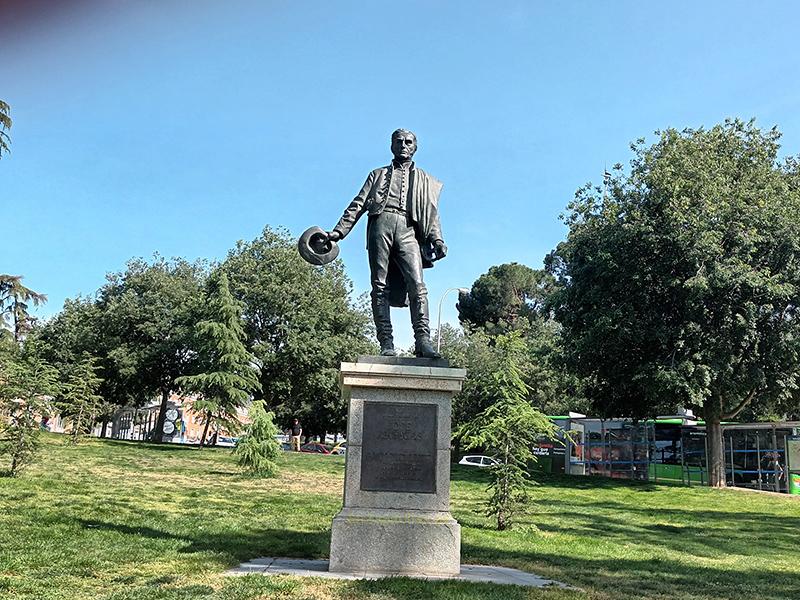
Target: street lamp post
(439, 322)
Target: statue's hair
(398, 132)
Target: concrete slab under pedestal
(320, 568)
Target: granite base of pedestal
(396, 542)
(396, 509)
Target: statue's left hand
(440, 249)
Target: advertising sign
(793, 454)
(793, 464)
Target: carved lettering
(399, 447)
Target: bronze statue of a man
(403, 237)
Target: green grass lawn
(123, 521)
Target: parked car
(227, 441)
(478, 461)
(315, 448)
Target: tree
(79, 399)
(511, 297)
(5, 125)
(472, 351)
(257, 450)
(14, 303)
(508, 296)
(300, 324)
(26, 386)
(148, 313)
(680, 286)
(82, 328)
(507, 429)
(227, 371)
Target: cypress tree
(226, 374)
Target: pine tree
(508, 429)
(80, 400)
(257, 448)
(26, 385)
(226, 375)
(15, 300)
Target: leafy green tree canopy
(511, 297)
(680, 286)
(148, 313)
(300, 324)
(507, 297)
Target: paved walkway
(319, 568)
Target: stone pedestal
(396, 514)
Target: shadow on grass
(476, 475)
(403, 587)
(678, 538)
(631, 578)
(233, 547)
(465, 474)
(163, 447)
(592, 482)
(706, 533)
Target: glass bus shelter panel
(756, 458)
(577, 464)
(694, 466)
(666, 453)
(614, 448)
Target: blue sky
(180, 127)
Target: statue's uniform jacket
(422, 213)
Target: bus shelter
(675, 450)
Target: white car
(479, 461)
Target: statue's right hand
(334, 236)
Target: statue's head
(404, 144)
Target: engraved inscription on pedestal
(399, 447)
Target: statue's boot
(423, 348)
(383, 324)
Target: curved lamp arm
(461, 290)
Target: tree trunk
(104, 429)
(162, 417)
(205, 429)
(17, 327)
(504, 495)
(716, 455)
(77, 424)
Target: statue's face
(404, 145)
